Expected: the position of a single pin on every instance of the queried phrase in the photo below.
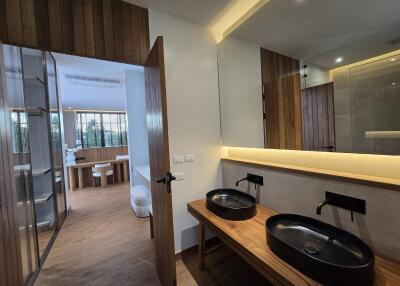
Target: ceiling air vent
(94, 80)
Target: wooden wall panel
(88, 23)
(282, 101)
(14, 23)
(79, 32)
(127, 36)
(67, 27)
(42, 24)
(143, 36)
(3, 21)
(108, 29)
(28, 22)
(318, 118)
(55, 25)
(116, 7)
(98, 23)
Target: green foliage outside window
(101, 129)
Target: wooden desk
(81, 166)
(248, 240)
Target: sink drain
(310, 249)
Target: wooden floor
(44, 239)
(103, 243)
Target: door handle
(167, 179)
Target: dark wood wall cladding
(104, 29)
(282, 101)
(318, 117)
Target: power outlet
(179, 176)
(189, 157)
(178, 159)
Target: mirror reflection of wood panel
(318, 118)
(282, 101)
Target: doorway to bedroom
(100, 99)
(107, 171)
(72, 150)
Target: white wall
(138, 144)
(239, 64)
(293, 193)
(193, 115)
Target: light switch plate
(178, 159)
(179, 176)
(189, 157)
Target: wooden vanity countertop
(248, 240)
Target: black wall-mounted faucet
(321, 205)
(255, 179)
(344, 202)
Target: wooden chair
(100, 170)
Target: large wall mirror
(313, 75)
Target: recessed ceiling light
(393, 83)
(338, 60)
(392, 59)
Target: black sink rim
(345, 233)
(213, 192)
(231, 213)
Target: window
(55, 131)
(19, 132)
(101, 129)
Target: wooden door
(156, 105)
(318, 118)
(282, 101)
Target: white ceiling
(201, 12)
(313, 29)
(88, 95)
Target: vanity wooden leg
(103, 178)
(119, 177)
(80, 178)
(202, 237)
(71, 175)
(125, 171)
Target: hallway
(101, 243)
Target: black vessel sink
(231, 204)
(329, 255)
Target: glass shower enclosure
(30, 88)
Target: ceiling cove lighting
(234, 15)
